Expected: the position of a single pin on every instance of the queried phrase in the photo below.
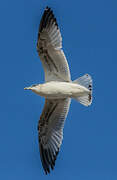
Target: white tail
(85, 81)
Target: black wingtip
(47, 159)
(48, 15)
(47, 8)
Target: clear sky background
(89, 149)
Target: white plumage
(58, 89)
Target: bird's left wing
(50, 129)
(49, 49)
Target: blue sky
(89, 149)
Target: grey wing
(50, 129)
(49, 49)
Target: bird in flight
(57, 90)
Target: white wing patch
(49, 48)
(50, 129)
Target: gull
(57, 90)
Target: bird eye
(34, 85)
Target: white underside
(58, 90)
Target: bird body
(60, 90)
(57, 90)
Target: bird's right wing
(49, 49)
(50, 129)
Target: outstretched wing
(49, 49)
(50, 129)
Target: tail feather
(85, 81)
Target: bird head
(35, 88)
